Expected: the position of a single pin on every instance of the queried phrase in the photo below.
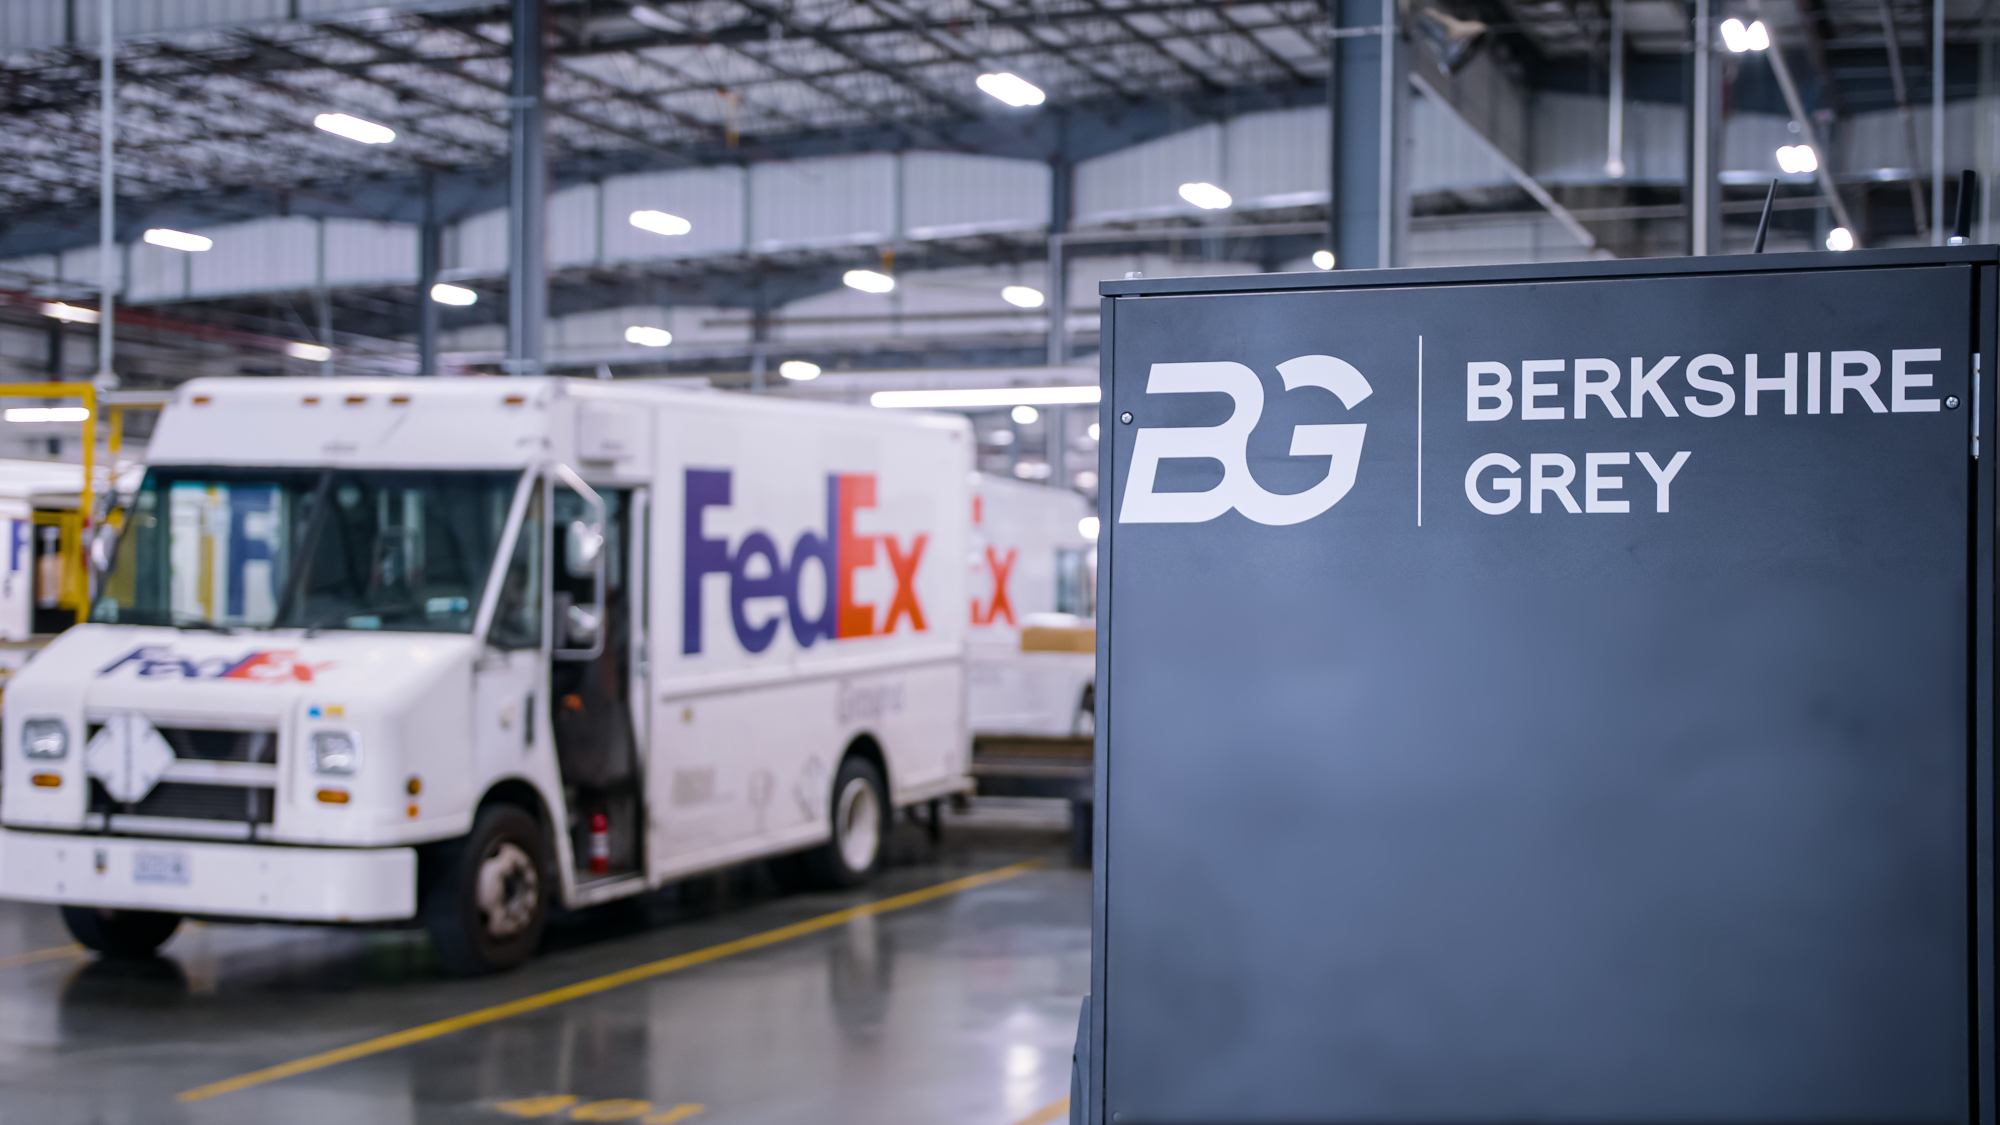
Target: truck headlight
(336, 751)
(45, 739)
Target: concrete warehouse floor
(959, 1007)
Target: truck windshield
(307, 548)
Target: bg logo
(1229, 444)
(840, 553)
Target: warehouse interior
(826, 201)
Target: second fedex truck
(454, 651)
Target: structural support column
(1056, 300)
(430, 259)
(1614, 141)
(1704, 190)
(527, 205)
(1367, 103)
(107, 192)
(1937, 122)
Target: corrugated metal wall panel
(32, 270)
(1569, 133)
(711, 199)
(360, 252)
(1444, 155)
(1537, 238)
(1276, 159)
(26, 24)
(573, 226)
(1875, 140)
(80, 266)
(257, 257)
(948, 195)
(478, 247)
(158, 274)
(1145, 180)
(836, 201)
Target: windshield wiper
(376, 611)
(206, 624)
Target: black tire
(475, 929)
(859, 806)
(120, 933)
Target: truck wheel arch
(865, 746)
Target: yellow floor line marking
(599, 984)
(1048, 1113)
(55, 953)
(678, 1113)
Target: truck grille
(214, 745)
(181, 800)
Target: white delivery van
(373, 651)
(1032, 654)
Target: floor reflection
(959, 1010)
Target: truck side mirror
(582, 545)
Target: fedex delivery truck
(451, 651)
(1031, 652)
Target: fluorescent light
(868, 281)
(1798, 158)
(445, 293)
(798, 370)
(1012, 89)
(1092, 431)
(1323, 259)
(47, 413)
(647, 17)
(1021, 296)
(1840, 238)
(354, 128)
(994, 396)
(313, 352)
(659, 222)
(1087, 527)
(648, 337)
(1759, 37)
(71, 313)
(1025, 415)
(178, 240)
(1206, 196)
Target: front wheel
(487, 899)
(860, 827)
(120, 933)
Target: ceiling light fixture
(659, 222)
(868, 281)
(1739, 39)
(647, 337)
(47, 413)
(445, 293)
(178, 240)
(1323, 259)
(1840, 238)
(354, 128)
(74, 314)
(1012, 89)
(986, 397)
(315, 352)
(1206, 196)
(1022, 297)
(798, 370)
(1087, 527)
(1798, 158)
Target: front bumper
(294, 884)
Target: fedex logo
(840, 551)
(264, 666)
(1000, 567)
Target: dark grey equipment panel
(1439, 801)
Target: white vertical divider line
(1420, 431)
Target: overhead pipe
(1824, 173)
(1891, 44)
